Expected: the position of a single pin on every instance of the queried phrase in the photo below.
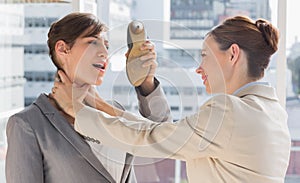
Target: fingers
(60, 82)
(151, 62)
(64, 78)
(150, 55)
(149, 58)
(57, 83)
(53, 90)
(148, 45)
(127, 53)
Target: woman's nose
(199, 69)
(103, 52)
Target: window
(174, 108)
(188, 108)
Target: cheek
(71, 67)
(211, 67)
(87, 74)
(215, 72)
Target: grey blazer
(44, 147)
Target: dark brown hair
(71, 27)
(257, 39)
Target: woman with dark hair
(42, 143)
(239, 135)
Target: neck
(78, 84)
(237, 80)
(239, 76)
(236, 86)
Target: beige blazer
(240, 138)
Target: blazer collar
(260, 90)
(65, 129)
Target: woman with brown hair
(42, 143)
(239, 135)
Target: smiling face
(87, 60)
(214, 67)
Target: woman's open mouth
(100, 66)
(204, 78)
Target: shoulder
(24, 117)
(28, 111)
(222, 101)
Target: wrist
(147, 86)
(99, 104)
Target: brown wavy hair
(71, 27)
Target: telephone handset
(136, 36)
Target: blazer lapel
(127, 167)
(64, 128)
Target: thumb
(63, 77)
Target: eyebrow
(104, 38)
(96, 37)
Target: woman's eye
(93, 42)
(203, 54)
(106, 44)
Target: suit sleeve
(154, 106)
(23, 160)
(205, 133)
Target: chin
(208, 91)
(98, 82)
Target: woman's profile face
(88, 60)
(213, 66)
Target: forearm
(107, 108)
(139, 136)
(154, 106)
(148, 86)
(129, 135)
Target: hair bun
(269, 33)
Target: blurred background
(177, 27)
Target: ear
(234, 53)
(61, 48)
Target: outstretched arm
(188, 138)
(192, 137)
